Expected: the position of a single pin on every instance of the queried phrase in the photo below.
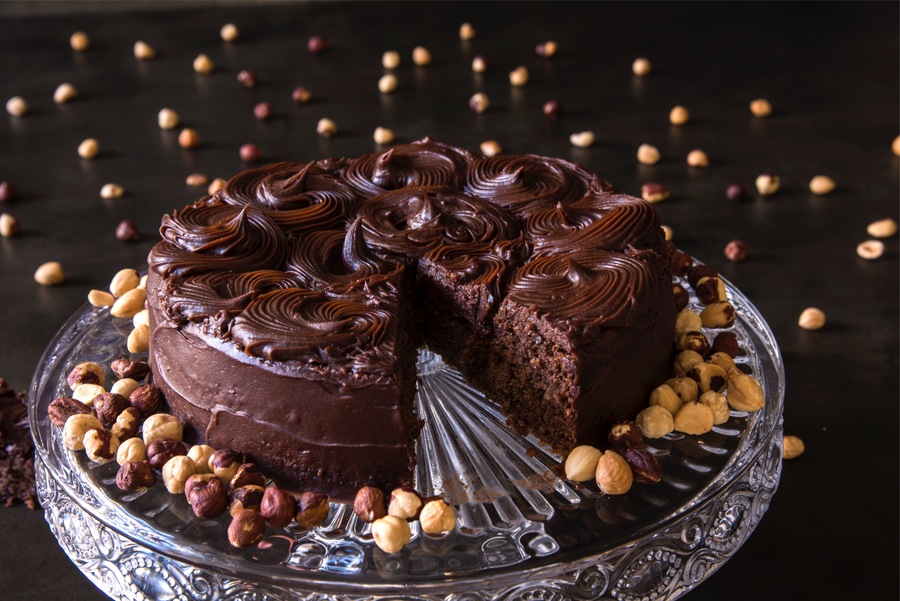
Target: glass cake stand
(522, 532)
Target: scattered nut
(249, 153)
(405, 503)
(229, 32)
(247, 78)
(679, 115)
(129, 303)
(895, 146)
(490, 148)
(736, 250)
(614, 475)
(694, 418)
(546, 50)
(127, 424)
(768, 184)
(697, 158)
(552, 109)
(655, 422)
(326, 127)
(246, 529)
(821, 185)
(62, 408)
(391, 533)
(883, 228)
(383, 135)
(277, 507)
(479, 64)
(870, 249)
(76, 426)
(196, 179)
(200, 455)
(582, 139)
(664, 396)
(203, 64)
(247, 474)
(812, 318)
(654, 192)
(641, 67)
(224, 463)
(109, 191)
(687, 321)
(107, 407)
(760, 107)
(390, 59)
(188, 138)
(49, 274)
(100, 445)
(421, 56)
(135, 475)
(437, 516)
(245, 497)
(87, 392)
(7, 192)
(387, 83)
(479, 103)
(719, 314)
(167, 119)
(369, 504)
(132, 449)
(625, 435)
(206, 495)
(88, 148)
(668, 233)
(686, 388)
(16, 106)
(317, 44)
(718, 404)
(144, 51)
(216, 185)
(162, 425)
(301, 95)
(79, 41)
(466, 31)
(745, 393)
(793, 446)
(64, 93)
(263, 111)
(736, 192)
(162, 449)
(644, 465)
(312, 509)
(175, 473)
(9, 225)
(147, 399)
(647, 154)
(581, 463)
(127, 231)
(87, 372)
(518, 76)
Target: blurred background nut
(162, 449)
(188, 138)
(64, 93)
(9, 225)
(139, 339)
(100, 445)
(760, 107)
(390, 59)
(697, 158)
(312, 509)
(768, 184)
(76, 427)
(326, 128)
(479, 64)
(723, 360)
(108, 406)
(167, 119)
(387, 83)
(224, 463)
(369, 504)
(16, 106)
(132, 449)
(745, 393)
(812, 318)
(654, 192)
(246, 529)
(127, 231)
(135, 475)
(870, 249)
(86, 372)
(648, 154)
(229, 32)
(582, 139)
(405, 503)
(581, 463)
(883, 228)
(655, 422)
(519, 76)
(614, 475)
(383, 135)
(162, 425)
(546, 49)
(694, 418)
(490, 148)
(466, 31)
(679, 115)
(301, 95)
(175, 473)
(736, 250)
(668, 234)
(552, 109)
(50, 274)
(89, 148)
(63, 408)
(206, 495)
(277, 507)
(479, 103)
(421, 56)
(822, 185)
(793, 446)
(203, 64)
(79, 41)
(147, 399)
(437, 516)
(391, 534)
(143, 51)
(127, 424)
(641, 67)
(200, 455)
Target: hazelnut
(870, 249)
(64, 93)
(768, 184)
(100, 445)
(390, 59)
(203, 64)
(546, 50)
(162, 425)
(655, 422)
(108, 406)
(144, 51)
(821, 185)
(793, 446)
(694, 418)
(895, 146)
(79, 41)
(88, 148)
(206, 495)
(883, 228)
(383, 135)
(49, 274)
(726, 342)
(644, 465)
(479, 64)
(581, 463)
(479, 103)
(132, 449)
(437, 516)
(86, 393)
(664, 396)
(167, 119)
(63, 408)
(200, 455)
(710, 289)
(162, 449)
(708, 377)
(129, 304)
(249, 153)
(263, 111)
(87, 372)
(247, 474)
(668, 234)
(679, 115)
(175, 473)
(518, 76)
(736, 192)
(723, 360)
(686, 388)
(312, 509)
(246, 529)
(317, 44)
(7, 192)
(719, 314)
(654, 192)
(124, 281)
(760, 107)
(301, 95)
(681, 262)
(718, 404)
(16, 106)
(245, 497)
(277, 507)
(641, 67)
(736, 250)
(326, 128)
(224, 463)
(369, 504)
(682, 298)
(247, 78)
(552, 109)
(625, 435)
(693, 341)
(745, 393)
(127, 231)
(391, 534)
(490, 148)
(126, 368)
(687, 321)
(229, 32)
(421, 56)
(405, 503)
(9, 225)
(686, 360)
(135, 475)
(614, 475)
(582, 139)
(466, 31)
(146, 399)
(647, 154)
(127, 424)
(76, 427)
(697, 158)
(387, 83)
(196, 179)
(812, 318)
(188, 138)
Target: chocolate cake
(16, 450)
(286, 309)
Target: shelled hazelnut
(466, 32)
(86, 372)
(490, 148)
(581, 463)
(582, 139)
(390, 59)
(745, 393)
(479, 64)
(383, 135)
(111, 190)
(654, 192)
(79, 41)
(421, 56)
(100, 445)
(301, 95)
(679, 115)
(132, 449)
(655, 422)
(718, 404)
(761, 107)
(405, 503)
(224, 463)
(768, 184)
(437, 517)
(64, 93)
(175, 473)
(89, 148)
(391, 533)
(200, 454)
(822, 185)
(546, 49)
(870, 249)
(162, 425)
(203, 64)
(697, 158)
(479, 103)
(87, 392)
(100, 298)
(167, 119)
(16, 106)
(613, 475)
(648, 154)
(326, 128)
(519, 76)
(387, 83)
(812, 318)
(161, 450)
(9, 225)
(694, 418)
(665, 396)
(641, 67)
(229, 32)
(188, 138)
(686, 388)
(144, 51)
(883, 228)
(76, 427)
(793, 446)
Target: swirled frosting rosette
(213, 235)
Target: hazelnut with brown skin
(224, 463)
(625, 435)
(100, 445)
(127, 424)
(726, 342)
(644, 465)
(698, 272)
(146, 399)
(127, 231)
(206, 495)
(312, 509)
(247, 474)
(86, 373)
(369, 504)
(76, 427)
(682, 298)
(680, 263)
(108, 406)
(246, 497)
(710, 290)
(693, 341)
(126, 368)
(277, 507)
(162, 449)
(65, 407)
(246, 529)
(719, 314)
(736, 250)
(709, 376)
(405, 503)
(135, 475)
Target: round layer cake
(286, 309)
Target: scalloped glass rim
(763, 358)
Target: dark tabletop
(829, 70)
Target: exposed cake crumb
(16, 450)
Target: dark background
(830, 71)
